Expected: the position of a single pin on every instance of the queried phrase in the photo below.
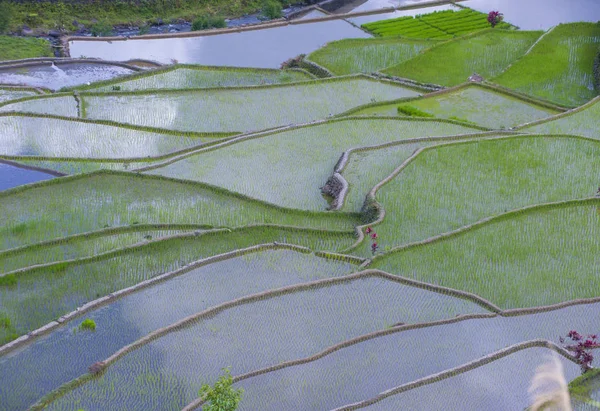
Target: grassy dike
(15, 48)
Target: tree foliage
(271, 9)
(222, 396)
(208, 22)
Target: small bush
(271, 9)
(88, 324)
(101, 28)
(8, 280)
(4, 321)
(208, 22)
(33, 20)
(20, 228)
(412, 111)
(5, 16)
(221, 397)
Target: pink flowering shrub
(495, 17)
(581, 348)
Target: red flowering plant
(581, 347)
(494, 18)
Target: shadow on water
(12, 176)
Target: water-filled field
(266, 48)
(55, 77)
(336, 240)
(259, 167)
(474, 105)
(182, 77)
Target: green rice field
(29, 136)
(495, 176)
(184, 77)
(582, 122)
(367, 55)
(487, 53)
(147, 200)
(223, 110)
(395, 236)
(558, 67)
(472, 104)
(14, 94)
(528, 259)
(437, 25)
(258, 167)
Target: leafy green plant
(8, 280)
(145, 29)
(5, 16)
(101, 29)
(62, 18)
(412, 111)
(4, 321)
(208, 22)
(271, 9)
(88, 324)
(222, 396)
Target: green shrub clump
(4, 321)
(88, 324)
(5, 16)
(221, 397)
(208, 22)
(8, 280)
(101, 29)
(412, 111)
(271, 9)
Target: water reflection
(11, 176)
(259, 48)
(56, 77)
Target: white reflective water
(64, 75)
(266, 48)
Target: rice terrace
(369, 204)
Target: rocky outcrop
(335, 187)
